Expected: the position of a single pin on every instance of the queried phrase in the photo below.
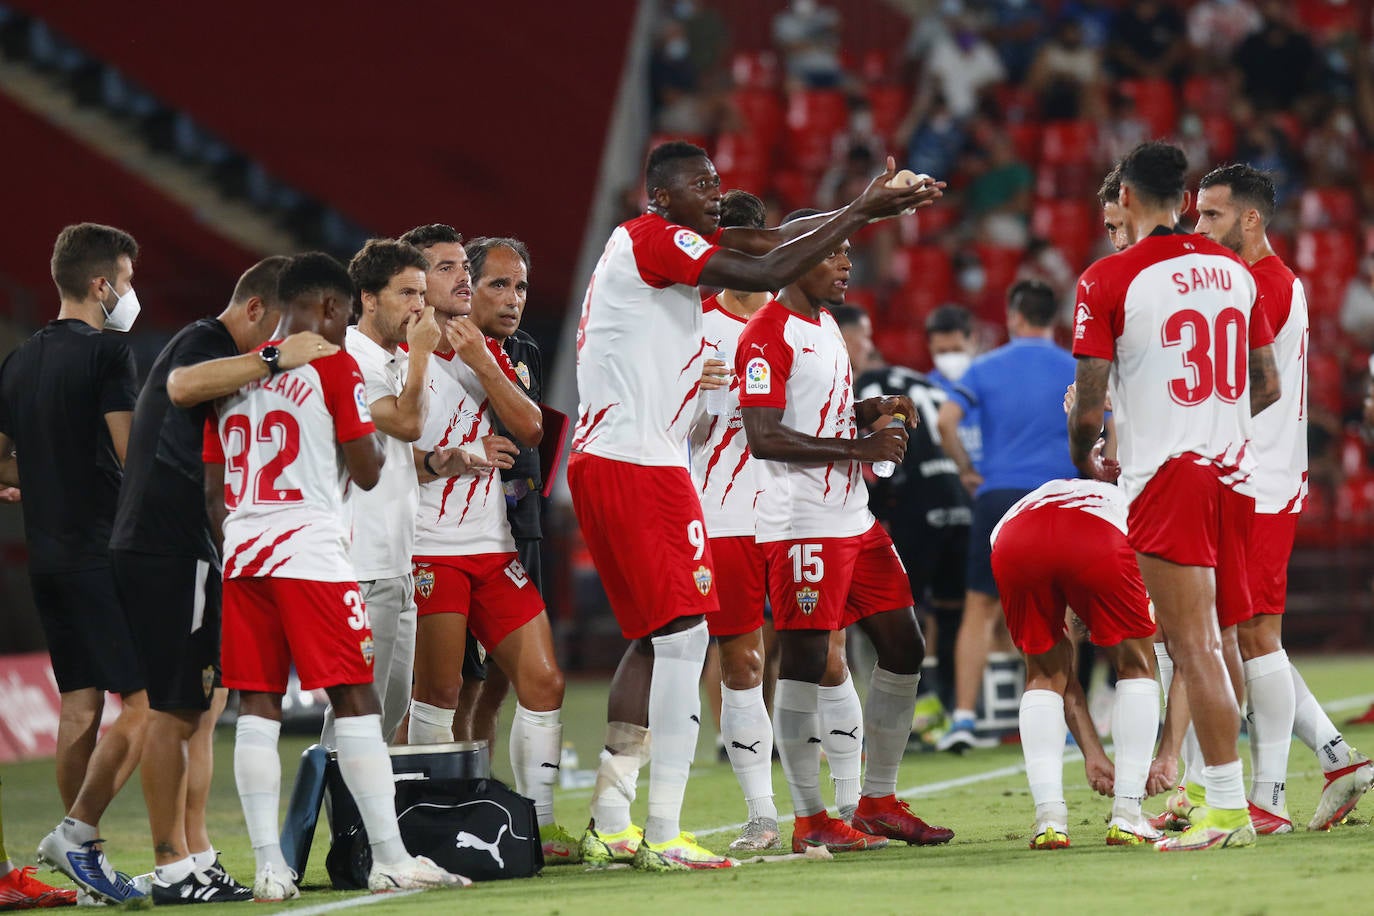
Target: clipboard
(553, 446)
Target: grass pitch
(986, 869)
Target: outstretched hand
(879, 201)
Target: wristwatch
(270, 356)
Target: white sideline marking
(346, 904)
(1070, 755)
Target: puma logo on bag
(466, 840)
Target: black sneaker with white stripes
(223, 878)
(197, 887)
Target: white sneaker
(1342, 791)
(269, 886)
(415, 873)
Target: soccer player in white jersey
(390, 279)
(830, 564)
(640, 356)
(1170, 320)
(286, 449)
(1064, 545)
(467, 572)
(1235, 204)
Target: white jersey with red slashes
(726, 473)
(284, 477)
(802, 366)
(639, 344)
(1174, 313)
(1280, 441)
(1104, 500)
(461, 516)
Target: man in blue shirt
(1018, 390)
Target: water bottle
(567, 766)
(887, 468)
(718, 399)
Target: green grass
(987, 869)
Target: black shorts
(474, 659)
(988, 509)
(174, 613)
(89, 638)
(935, 555)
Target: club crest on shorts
(807, 599)
(424, 582)
(702, 577)
(369, 650)
(207, 680)
(522, 372)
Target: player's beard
(1235, 238)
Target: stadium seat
(1069, 143)
(888, 104)
(813, 118)
(1320, 208)
(1220, 131)
(754, 69)
(925, 279)
(1025, 136)
(1282, 245)
(1070, 223)
(742, 152)
(903, 343)
(1015, 102)
(1324, 294)
(1154, 101)
(761, 112)
(794, 189)
(1327, 251)
(1208, 95)
(999, 270)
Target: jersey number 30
(277, 428)
(1216, 357)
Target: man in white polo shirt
(390, 278)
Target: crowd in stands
(1022, 107)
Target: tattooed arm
(1264, 379)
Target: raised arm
(1087, 413)
(512, 406)
(188, 386)
(403, 416)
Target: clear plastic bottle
(888, 468)
(567, 766)
(718, 399)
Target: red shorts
(830, 583)
(1186, 515)
(741, 572)
(490, 589)
(270, 623)
(1051, 558)
(644, 529)
(1271, 544)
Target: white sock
(1225, 786)
(257, 772)
(1315, 729)
(674, 720)
(365, 767)
(173, 872)
(626, 751)
(1166, 669)
(963, 715)
(796, 723)
(430, 724)
(536, 743)
(887, 726)
(748, 738)
(1042, 743)
(842, 739)
(1135, 720)
(204, 859)
(78, 831)
(1193, 764)
(1269, 686)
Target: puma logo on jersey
(751, 748)
(808, 349)
(1087, 287)
(760, 348)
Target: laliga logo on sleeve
(756, 378)
(692, 244)
(360, 399)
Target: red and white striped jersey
(1104, 500)
(284, 476)
(639, 344)
(1175, 314)
(1280, 441)
(461, 516)
(726, 473)
(802, 366)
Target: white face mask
(125, 312)
(953, 365)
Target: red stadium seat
(1327, 251)
(903, 344)
(888, 104)
(1208, 95)
(744, 151)
(1320, 208)
(1017, 103)
(925, 279)
(1220, 131)
(761, 112)
(1069, 143)
(794, 189)
(1070, 223)
(1000, 264)
(813, 118)
(754, 69)
(1155, 102)
(1282, 245)
(1025, 136)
